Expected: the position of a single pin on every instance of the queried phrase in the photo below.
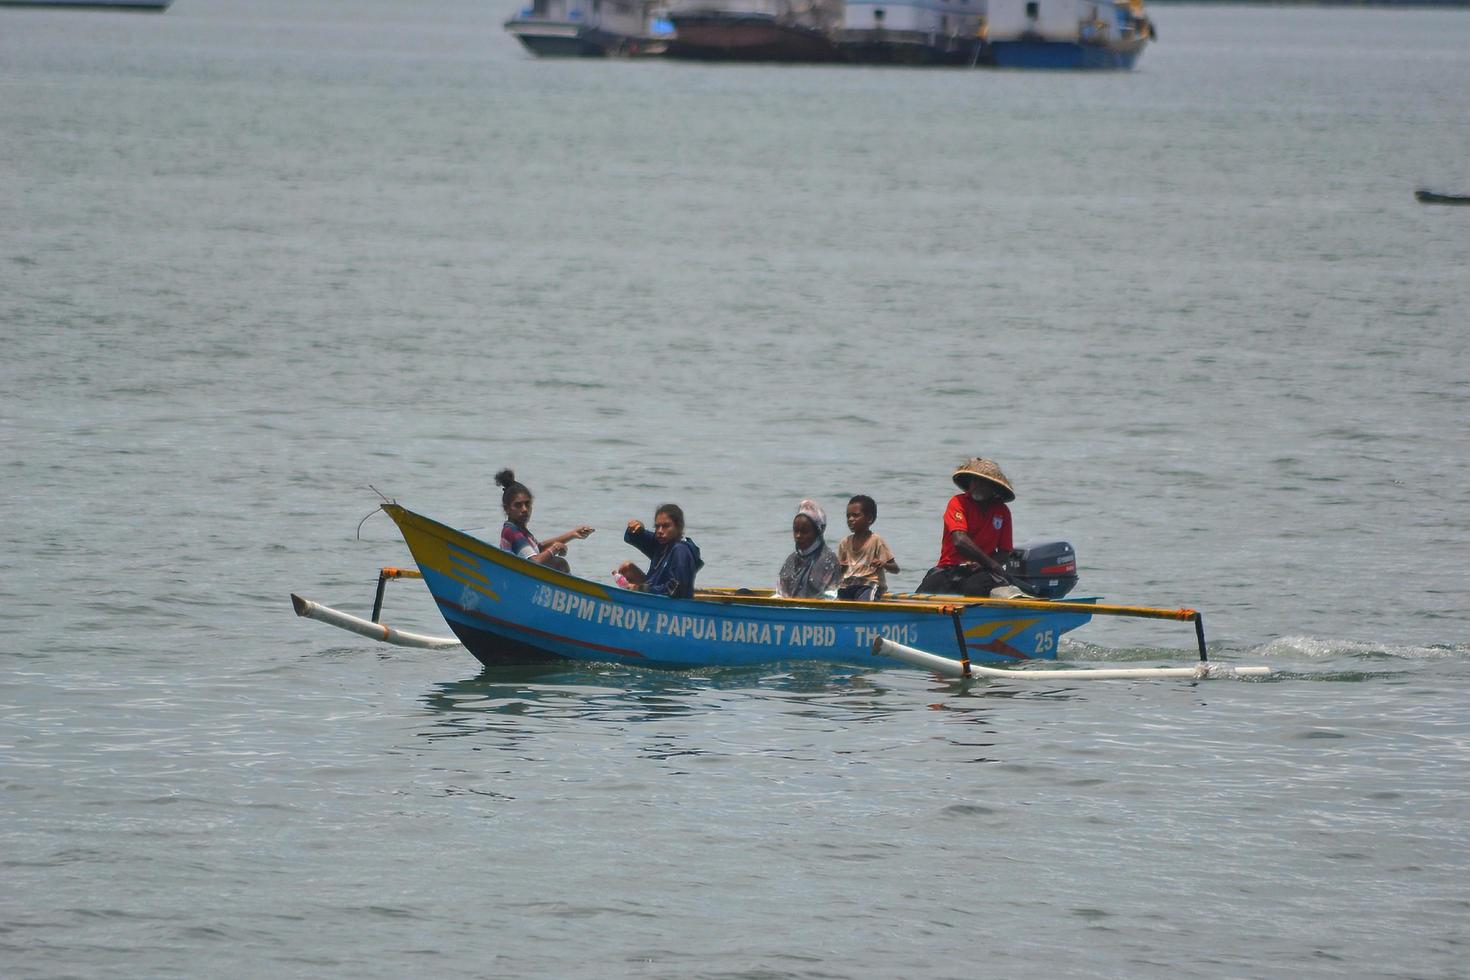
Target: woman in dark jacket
(675, 559)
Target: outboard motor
(1046, 568)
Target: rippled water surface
(255, 257)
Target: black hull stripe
(476, 614)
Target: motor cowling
(1044, 567)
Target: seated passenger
(515, 535)
(811, 570)
(977, 535)
(863, 555)
(675, 559)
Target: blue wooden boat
(506, 610)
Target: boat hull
(869, 47)
(560, 39)
(1064, 55)
(727, 36)
(510, 611)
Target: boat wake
(1296, 658)
(1314, 648)
(1287, 648)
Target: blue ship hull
(1062, 55)
(507, 610)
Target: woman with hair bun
(515, 533)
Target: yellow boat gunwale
(944, 605)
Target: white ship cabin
(930, 18)
(818, 14)
(1061, 20)
(626, 17)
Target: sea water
(257, 258)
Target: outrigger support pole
(959, 634)
(1199, 632)
(378, 599)
(387, 573)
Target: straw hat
(986, 470)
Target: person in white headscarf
(810, 571)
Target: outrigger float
(505, 610)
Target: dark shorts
(864, 592)
(961, 580)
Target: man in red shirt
(977, 534)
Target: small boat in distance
(590, 28)
(144, 6)
(1430, 197)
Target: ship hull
(559, 39)
(1063, 55)
(720, 36)
(908, 48)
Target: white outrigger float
(945, 667)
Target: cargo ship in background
(1043, 34)
(590, 28)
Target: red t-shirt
(987, 524)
